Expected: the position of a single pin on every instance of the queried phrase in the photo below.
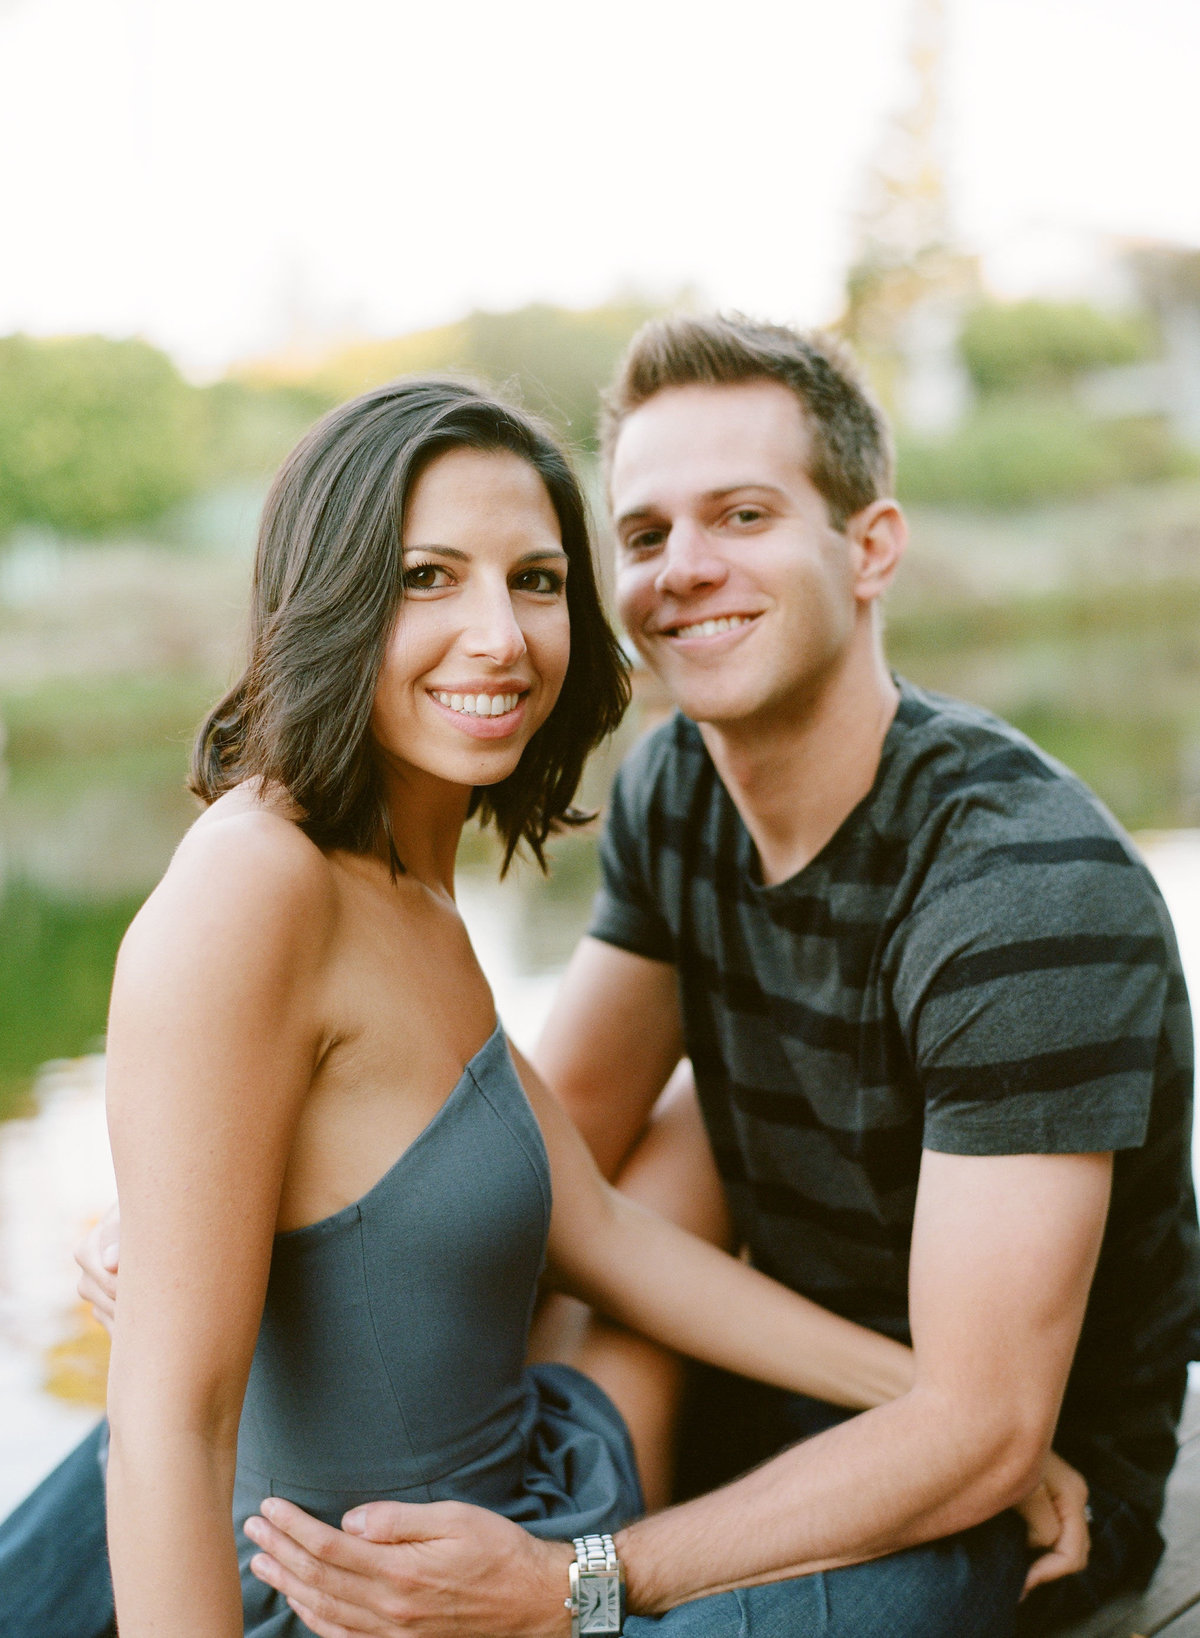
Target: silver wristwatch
(597, 1597)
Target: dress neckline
(350, 1211)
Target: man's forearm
(891, 1478)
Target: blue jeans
(54, 1580)
(964, 1587)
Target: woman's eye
(545, 581)
(425, 577)
(747, 514)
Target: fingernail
(259, 1565)
(355, 1522)
(270, 1507)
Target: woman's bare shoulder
(245, 878)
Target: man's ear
(878, 535)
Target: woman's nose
(495, 632)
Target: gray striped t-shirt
(977, 963)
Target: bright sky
(200, 171)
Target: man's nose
(494, 632)
(689, 560)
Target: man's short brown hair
(851, 462)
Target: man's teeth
(478, 705)
(710, 628)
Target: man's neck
(796, 779)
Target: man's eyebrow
(736, 488)
(649, 510)
(636, 513)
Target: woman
(336, 1194)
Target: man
(939, 1034)
(937, 1025)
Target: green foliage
(555, 360)
(558, 359)
(1021, 450)
(249, 427)
(94, 434)
(56, 962)
(1011, 346)
(104, 717)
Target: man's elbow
(1020, 1464)
(995, 1448)
(1009, 1450)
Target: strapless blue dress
(390, 1360)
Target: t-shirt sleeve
(625, 912)
(1032, 991)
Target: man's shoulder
(996, 827)
(968, 778)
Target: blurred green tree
(1014, 346)
(95, 434)
(1026, 449)
(554, 359)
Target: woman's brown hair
(327, 586)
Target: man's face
(730, 578)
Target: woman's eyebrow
(539, 555)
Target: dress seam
(380, 1352)
(541, 1172)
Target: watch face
(599, 1604)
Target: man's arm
(1003, 1252)
(613, 1037)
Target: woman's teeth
(710, 628)
(478, 705)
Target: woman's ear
(878, 535)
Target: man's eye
(546, 581)
(646, 540)
(747, 514)
(425, 577)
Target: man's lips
(714, 626)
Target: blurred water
(55, 1173)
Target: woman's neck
(426, 816)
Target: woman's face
(479, 649)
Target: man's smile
(714, 626)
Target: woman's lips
(483, 716)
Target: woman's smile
(483, 714)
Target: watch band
(597, 1597)
(595, 1553)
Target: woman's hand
(1056, 1519)
(97, 1256)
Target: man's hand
(430, 1570)
(96, 1255)
(1056, 1517)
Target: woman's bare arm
(214, 1034)
(652, 1276)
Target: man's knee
(967, 1586)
